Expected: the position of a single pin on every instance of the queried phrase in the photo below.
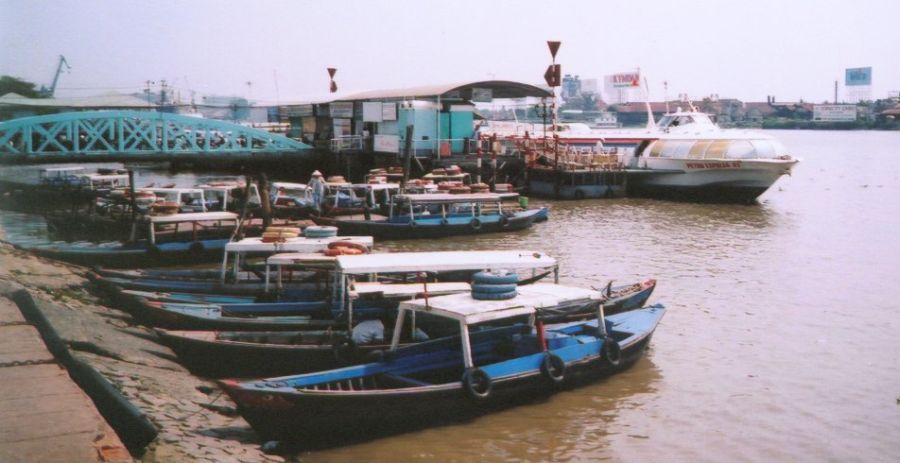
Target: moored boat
(450, 378)
(438, 215)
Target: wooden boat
(235, 276)
(451, 378)
(188, 237)
(241, 354)
(437, 215)
(254, 353)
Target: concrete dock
(44, 415)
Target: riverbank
(195, 421)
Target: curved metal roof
(499, 89)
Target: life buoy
(477, 384)
(612, 352)
(503, 221)
(553, 368)
(349, 245)
(475, 224)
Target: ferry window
(717, 149)
(768, 148)
(741, 149)
(656, 149)
(698, 149)
(676, 149)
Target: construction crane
(48, 92)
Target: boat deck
(44, 416)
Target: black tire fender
(553, 368)
(612, 352)
(477, 384)
(475, 224)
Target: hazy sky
(745, 49)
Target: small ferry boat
(438, 215)
(494, 361)
(195, 237)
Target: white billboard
(386, 143)
(834, 112)
(623, 87)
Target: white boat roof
(288, 185)
(396, 290)
(299, 244)
(172, 190)
(193, 217)
(450, 198)
(397, 262)
(378, 186)
(464, 308)
(302, 258)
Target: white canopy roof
(450, 198)
(396, 262)
(531, 297)
(193, 217)
(299, 244)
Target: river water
(781, 339)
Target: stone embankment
(195, 422)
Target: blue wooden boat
(243, 354)
(436, 216)
(171, 239)
(483, 368)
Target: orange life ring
(348, 245)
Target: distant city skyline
(278, 51)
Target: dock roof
(499, 89)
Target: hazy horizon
(745, 50)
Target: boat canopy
(300, 244)
(530, 298)
(443, 198)
(192, 217)
(734, 147)
(407, 262)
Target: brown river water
(781, 338)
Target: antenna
(651, 122)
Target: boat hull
(740, 181)
(431, 227)
(327, 417)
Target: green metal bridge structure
(120, 135)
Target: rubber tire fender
(477, 384)
(485, 288)
(503, 221)
(488, 278)
(579, 194)
(475, 224)
(553, 368)
(612, 352)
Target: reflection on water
(780, 342)
(571, 424)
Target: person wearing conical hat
(317, 183)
